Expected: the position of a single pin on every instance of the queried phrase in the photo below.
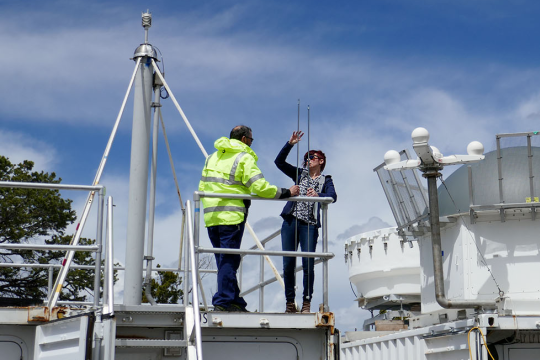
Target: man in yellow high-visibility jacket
(232, 169)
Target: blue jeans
(290, 242)
(227, 237)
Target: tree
(165, 288)
(37, 216)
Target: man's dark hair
(239, 131)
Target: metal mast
(138, 177)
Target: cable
(162, 89)
(161, 55)
(483, 338)
(356, 296)
(501, 293)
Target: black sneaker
(236, 308)
(220, 308)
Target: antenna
(146, 24)
(298, 145)
(308, 146)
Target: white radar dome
(420, 135)
(475, 148)
(391, 157)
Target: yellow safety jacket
(232, 169)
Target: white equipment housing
(490, 253)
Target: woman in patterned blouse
(301, 220)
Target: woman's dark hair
(239, 131)
(317, 153)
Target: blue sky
(371, 71)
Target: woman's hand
(312, 193)
(296, 137)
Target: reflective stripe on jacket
(232, 169)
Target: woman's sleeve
(328, 189)
(283, 165)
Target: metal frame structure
(325, 255)
(502, 206)
(100, 189)
(193, 330)
(407, 208)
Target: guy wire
(501, 293)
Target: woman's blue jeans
(293, 233)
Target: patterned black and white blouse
(304, 210)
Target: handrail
(273, 280)
(100, 189)
(90, 267)
(266, 252)
(49, 186)
(200, 194)
(324, 255)
(108, 291)
(195, 290)
(92, 248)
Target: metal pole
(438, 272)
(99, 242)
(73, 248)
(53, 298)
(261, 280)
(471, 195)
(324, 224)
(196, 227)
(471, 190)
(435, 234)
(109, 263)
(152, 206)
(499, 170)
(196, 222)
(194, 273)
(531, 176)
(297, 147)
(322, 255)
(48, 186)
(186, 274)
(138, 183)
(50, 283)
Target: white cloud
(19, 147)
(528, 113)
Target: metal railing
(193, 250)
(108, 302)
(195, 333)
(323, 256)
(506, 169)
